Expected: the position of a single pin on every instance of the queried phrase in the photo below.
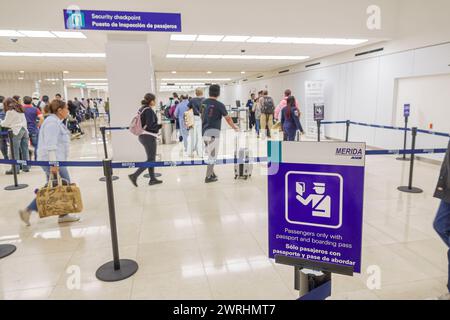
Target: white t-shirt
(15, 121)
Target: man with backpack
(179, 113)
(267, 112)
(196, 105)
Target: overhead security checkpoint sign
(316, 201)
(122, 20)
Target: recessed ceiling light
(20, 78)
(69, 34)
(213, 56)
(37, 34)
(183, 37)
(209, 38)
(260, 39)
(240, 57)
(174, 72)
(175, 55)
(235, 38)
(194, 56)
(242, 72)
(52, 54)
(21, 71)
(283, 40)
(65, 71)
(194, 79)
(10, 33)
(208, 72)
(79, 79)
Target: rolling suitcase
(243, 168)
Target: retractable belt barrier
(190, 163)
(436, 133)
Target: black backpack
(268, 106)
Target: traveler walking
(267, 111)
(180, 110)
(251, 113)
(34, 121)
(16, 121)
(54, 144)
(196, 141)
(290, 120)
(149, 122)
(257, 111)
(211, 125)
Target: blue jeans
(34, 142)
(20, 144)
(4, 147)
(442, 226)
(257, 125)
(63, 172)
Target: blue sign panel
(316, 201)
(407, 110)
(122, 21)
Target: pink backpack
(136, 124)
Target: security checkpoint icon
(314, 199)
(321, 203)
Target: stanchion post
(409, 188)
(405, 138)
(347, 129)
(105, 148)
(318, 130)
(118, 269)
(16, 185)
(105, 151)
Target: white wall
(430, 104)
(366, 91)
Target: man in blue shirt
(182, 107)
(251, 113)
(34, 121)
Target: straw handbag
(57, 200)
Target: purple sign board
(406, 110)
(122, 21)
(316, 201)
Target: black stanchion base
(157, 175)
(408, 190)
(18, 187)
(402, 159)
(107, 273)
(6, 250)
(103, 179)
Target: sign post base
(6, 250)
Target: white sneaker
(445, 296)
(68, 218)
(25, 216)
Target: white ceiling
(296, 18)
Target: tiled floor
(197, 241)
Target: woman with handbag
(54, 143)
(149, 122)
